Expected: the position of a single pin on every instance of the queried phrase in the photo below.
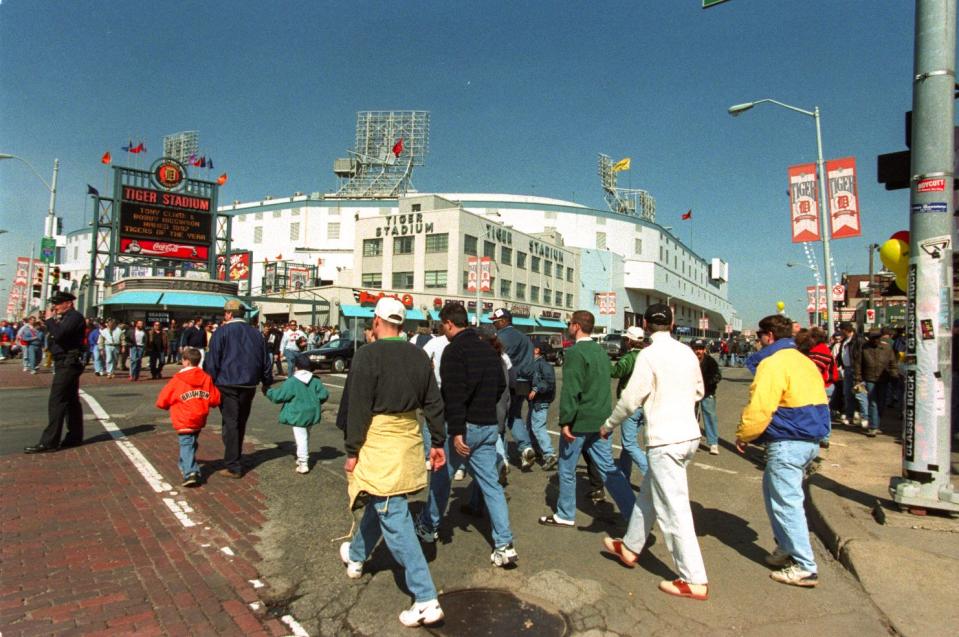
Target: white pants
(302, 437)
(664, 497)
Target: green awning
(193, 299)
(356, 311)
(133, 297)
(528, 322)
(544, 322)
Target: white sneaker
(354, 570)
(714, 450)
(422, 613)
(527, 458)
(864, 424)
(302, 467)
(504, 556)
(459, 474)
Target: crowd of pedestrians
(454, 396)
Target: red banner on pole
(486, 274)
(804, 203)
(812, 297)
(844, 217)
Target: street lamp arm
(29, 165)
(740, 108)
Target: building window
(569, 300)
(600, 221)
(548, 297)
(294, 232)
(402, 280)
(76, 253)
(548, 268)
(417, 207)
(469, 244)
(489, 249)
(334, 212)
(333, 231)
(506, 255)
(559, 271)
(277, 213)
(435, 279)
(569, 274)
(466, 279)
(534, 294)
(372, 280)
(600, 240)
(437, 243)
(638, 246)
(258, 234)
(549, 215)
(372, 247)
(520, 291)
(521, 260)
(258, 216)
(535, 264)
(403, 245)
(296, 212)
(505, 287)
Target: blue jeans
(786, 462)
(876, 398)
(290, 355)
(601, 453)
(440, 485)
(516, 423)
(537, 415)
(483, 467)
(110, 354)
(632, 452)
(97, 360)
(708, 406)
(830, 390)
(851, 398)
(32, 354)
(136, 361)
(389, 518)
(188, 445)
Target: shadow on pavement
(847, 493)
(731, 530)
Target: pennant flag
(209, 163)
(622, 164)
(688, 215)
(222, 179)
(128, 147)
(192, 157)
(106, 159)
(202, 162)
(92, 191)
(398, 147)
(139, 148)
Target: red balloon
(902, 235)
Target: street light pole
(824, 226)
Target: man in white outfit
(667, 384)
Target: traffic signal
(38, 283)
(55, 276)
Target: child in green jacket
(301, 395)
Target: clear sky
(522, 98)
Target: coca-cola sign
(164, 250)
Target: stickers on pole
(935, 246)
(931, 185)
(935, 206)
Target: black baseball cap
(658, 314)
(698, 344)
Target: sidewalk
(89, 546)
(907, 564)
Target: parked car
(335, 356)
(612, 343)
(555, 342)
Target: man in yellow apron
(390, 379)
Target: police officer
(65, 327)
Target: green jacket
(623, 369)
(585, 400)
(301, 401)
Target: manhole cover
(487, 611)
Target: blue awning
(193, 299)
(544, 322)
(356, 311)
(415, 315)
(528, 322)
(133, 297)
(435, 315)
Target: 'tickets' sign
(844, 219)
(153, 223)
(803, 203)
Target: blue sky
(522, 97)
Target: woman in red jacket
(812, 343)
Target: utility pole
(872, 279)
(925, 481)
(50, 229)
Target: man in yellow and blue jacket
(788, 411)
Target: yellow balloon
(894, 254)
(780, 306)
(902, 282)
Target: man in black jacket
(65, 326)
(707, 406)
(473, 382)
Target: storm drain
(488, 611)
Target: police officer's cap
(61, 297)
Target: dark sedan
(335, 356)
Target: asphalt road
(560, 569)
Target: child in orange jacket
(189, 396)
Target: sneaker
(795, 576)
(598, 496)
(191, 480)
(526, 459)
(871, 433)
(429, 466)
(426, 535)
(714, 450)
(459, 474)
(302, 467)
(824, 444)
(864, 423)
(354, 570)
(421, 613)
(549, 463)
(504, 556)
(844, 420)
(778, 558)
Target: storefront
(162, 299)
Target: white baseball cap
(390, 310)
(635, 333)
